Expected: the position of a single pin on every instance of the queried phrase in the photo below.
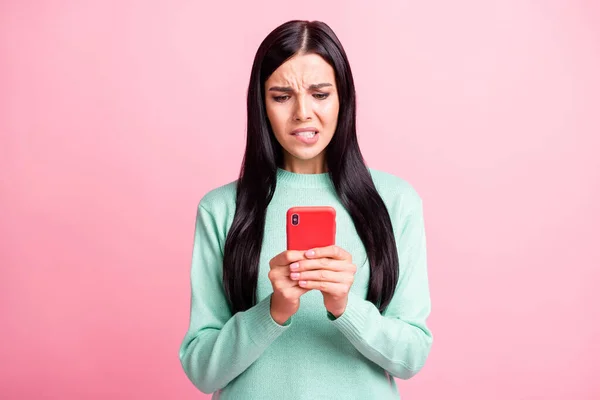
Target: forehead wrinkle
(295, 83)
(296, 75)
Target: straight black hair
(345, 163)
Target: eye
(323, 96)
(280, 99)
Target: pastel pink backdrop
(116, 117)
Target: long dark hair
(345, 163)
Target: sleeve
(399, 340)
(218, 346)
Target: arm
(399, 340)
(218, 346)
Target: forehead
(303, 70)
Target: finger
(296, 291)
(281, 274)
(335, 252)
(286, 284)
(287, 257)
(336, 289)
(323, 275)
(320, 263)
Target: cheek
(329, 112)
(277, 120)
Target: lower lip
(307, 140)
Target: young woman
(330, 323)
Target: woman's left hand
(330, 270)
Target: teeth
(306, 134)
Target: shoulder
(220, 201)
(395, 191)
(390, 185)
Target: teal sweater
(313, 355)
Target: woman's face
(301, 93)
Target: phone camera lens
(295, 219)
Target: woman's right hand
(285, 300)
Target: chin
(305, 155)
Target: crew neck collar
(293, 179)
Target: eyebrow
(289, 89)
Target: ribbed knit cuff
(352, 322)
(262, 327)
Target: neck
(315, 165)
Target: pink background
(117, 116)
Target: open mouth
(308, 137)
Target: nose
(303, 108)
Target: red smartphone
(309, 227)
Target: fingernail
(302, 283)
(310, 253)
(294, 275)
(294, 265)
